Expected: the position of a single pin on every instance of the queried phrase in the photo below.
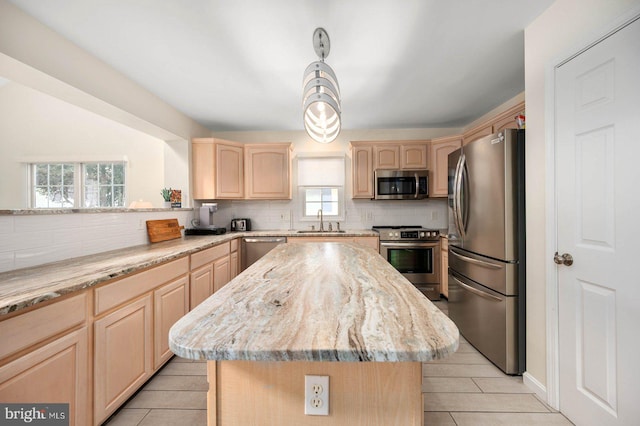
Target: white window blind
(321, 171)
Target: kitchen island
(330, 309)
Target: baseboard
(533, 384)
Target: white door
(598, 218)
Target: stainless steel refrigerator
(487, 246)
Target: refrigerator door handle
(456, 196)
(475, 261)
(476, 291)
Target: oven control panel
(408, 234)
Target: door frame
(551, 235)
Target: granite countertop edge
(22, 288)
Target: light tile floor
(463, 389)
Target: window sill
(29, 212)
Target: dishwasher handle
(265, 240)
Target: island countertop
(316, 302)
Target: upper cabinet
(504, 120)
(268, 171)
(218, 169)
(440, 150)
(230, 170)
(368, 156)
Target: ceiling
(238, 65)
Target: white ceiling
(238, 64)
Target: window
(325, 198)
(104, 185)
(321, 186)
(74, 185)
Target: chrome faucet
(321, 222)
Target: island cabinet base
(272, 393)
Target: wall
(38, 127)
(360, 214)
(561, 30)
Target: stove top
(406, 233)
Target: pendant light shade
(321, 94)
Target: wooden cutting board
(163, 230)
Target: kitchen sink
(315, 231)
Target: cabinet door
(413, 156)
(362, 171)
(268, 171)
(440, 150)
(221, 272)
(171, 302)
(477, 133)
(201, 284)
(386, 157)
(123, 355)
(229, 171)
(203, 168)
(233, 264)
(55, 373)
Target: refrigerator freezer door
(488, 320)
(497, 275)
(490, 196)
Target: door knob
(563, 259)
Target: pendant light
(321, 94)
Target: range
(415, 252)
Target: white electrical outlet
(316, 395)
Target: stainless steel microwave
(401, 184)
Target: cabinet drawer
(209, 255)
(24, 330)
(112, 295)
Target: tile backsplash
(30, 240)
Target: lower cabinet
(210, 270)
(201, 284)
(57, 372)
(170, 303)
(123, 358)
(221, 272)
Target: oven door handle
(404, 244)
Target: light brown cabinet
(218, 169)
(368, 156)
(234, 258)
(362, 171)
(438, 172)
(504, 120)
(268, 171)
(45, 356)
(210, 270)
(170, 303)
(123, 358)
(130, 344)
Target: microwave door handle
(417, 185)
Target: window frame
(302, 190)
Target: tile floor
(463, 389)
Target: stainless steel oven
(415, 253)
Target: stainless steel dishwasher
(253, 248)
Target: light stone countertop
(316, 302)
(25, 287)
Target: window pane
(42, 174)
(68, 173)
(105, 196)
(106, 176)
(91, 173)
(314, 194)
(118, 174)
(311, 209)
(118, 196)
(330, 208)
(55, 174)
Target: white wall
(566, 25)
(36, 127)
